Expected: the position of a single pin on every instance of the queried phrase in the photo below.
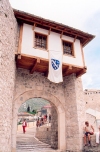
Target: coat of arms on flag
(55, 66)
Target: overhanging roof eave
(32, 18)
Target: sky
(80, 14)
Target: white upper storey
(54, 43)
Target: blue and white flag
(55, 66)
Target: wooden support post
(70, 67)
(67, 70)
(61, 34)
(34, 66)
(81, 72)
(49, 31)
(34, 26)
(75, 38)
(86, 41)
(19, 56)
(82, 55)
(20, 38)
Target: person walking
(24, 125)
(49, 118)
(38, 123)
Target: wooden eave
(34, 64)
(53, 26)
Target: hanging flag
(55, 66)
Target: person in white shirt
(24, 125)
(88, 130)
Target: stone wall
(25, 82)
(8, 46)
(43, 133)
(49, 134)
(70, 97)
(92, 101)
(75, 113)
(54, 128)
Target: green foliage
(28, 109)
(34, 104)
(33, 112)
(19, 123)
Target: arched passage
(52, 99)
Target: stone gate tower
(24, 47)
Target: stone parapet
(92, 101)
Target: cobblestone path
(28, 143)
(92, 149)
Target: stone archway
(51, 98)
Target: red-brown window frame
(44, 35)
(72, 50)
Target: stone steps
(31, 146)
(44, 140)
(28, 143)
(38, 150)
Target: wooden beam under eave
(34, 66)
(70, 67)
(85, 42)
(49, 25)
(46, 74)
(38, 60)
(61, 34)
(49, 31)
(34, 26)
(75, 38)
(19, 56)
(80, 73)
(67, 70)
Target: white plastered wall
(54, 43)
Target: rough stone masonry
(8, 45)
(70, 95)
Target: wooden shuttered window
(67, 48)
(40, 41)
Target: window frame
(73, 51)
(36, 47)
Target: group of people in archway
(88, 130)
(43, 120)
(40, 121)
